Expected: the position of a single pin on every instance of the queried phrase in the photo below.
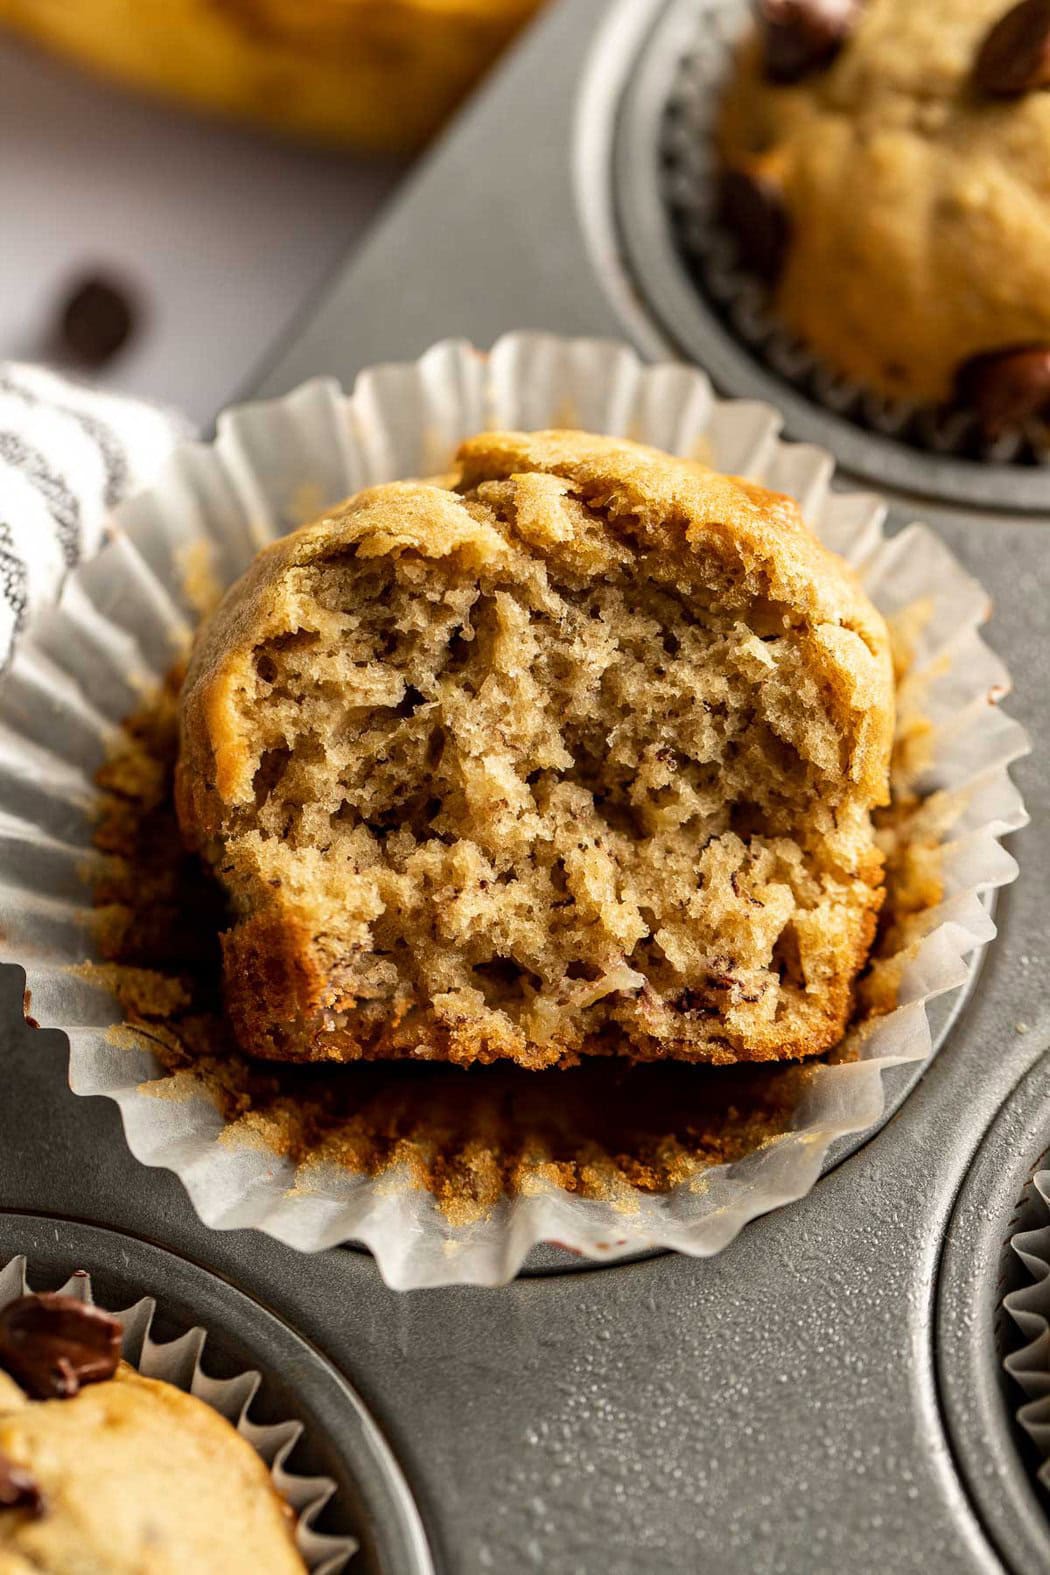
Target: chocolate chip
(96, 321)
(752, 208)
(1014, 57)
(19, 1489)
(1005, 387)
(52, 1344)
(801, 36)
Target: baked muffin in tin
(103, 1469)
(885, 170)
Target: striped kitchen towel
(68, 454)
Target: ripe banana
(378, 74)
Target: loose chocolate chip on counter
(96, 320)
(19, 1489)
(752, 208)
(801, 36)
(52, 1344)
(1014, 57)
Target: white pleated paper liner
(180, 1362)
(1029, 1307)
(690, 172)
(124, 617)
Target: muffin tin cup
(180, 1362)
(125, 617)
(690, 169)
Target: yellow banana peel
(380, 74)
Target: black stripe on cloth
(62, 504)
(14, 581)
(111, 449)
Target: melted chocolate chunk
(1005, 387)
(1014, 57)
(802, 36)
(52, 1344)
(19, 1489)
(752, 208)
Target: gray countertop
(224, 234)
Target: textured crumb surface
(471, 1139)
(468, 1138)
(576, 758)
(137, 1476)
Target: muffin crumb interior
(539, 787)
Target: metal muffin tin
(980, 1400)
(824, 1395)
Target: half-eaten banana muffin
(574, 754)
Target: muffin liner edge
(124, 617)
(1029, 1308)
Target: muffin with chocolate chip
(887, 170)
(105, 1472)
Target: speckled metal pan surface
(795, 1404)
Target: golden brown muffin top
(134, 1476)
(917, 199)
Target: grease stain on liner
(63, 701)
(690, 177)
(606, 1130)
(180, 1362)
